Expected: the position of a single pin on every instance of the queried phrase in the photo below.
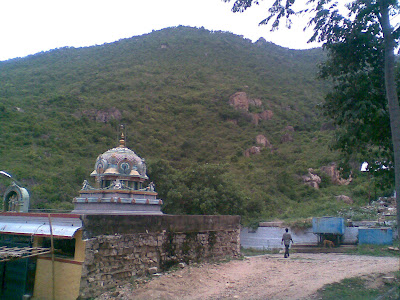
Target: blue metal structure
(328, 225)
(329, 228)
(376, 236)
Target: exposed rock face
(265, 115)
(252, 151)
(345, 199)
(312, 179)
(255, 102)
(239, 101)
(262, 140)
(255, 119)
(334, 174)
(103, 116)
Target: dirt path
(261, 277)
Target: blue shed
(376, 236)
(328, 225)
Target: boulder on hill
(262, 140)
(254, 150)
(333, 172)
(239, 101)
(311, 179)
(265, 115)
(255, 102)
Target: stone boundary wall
(119, 248)
(270, 237)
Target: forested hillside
(171, 89)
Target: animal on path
(329, 244)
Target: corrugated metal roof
(38, 224)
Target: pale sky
(32, 26)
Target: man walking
(286, 239)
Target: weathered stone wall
(118, 248)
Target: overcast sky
(31, 26)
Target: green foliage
(358, 103)
(198, 189)
(60, 109)
(351, 288)
(375, 250)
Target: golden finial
(122, 139)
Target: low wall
(121, 247)
(271, 237)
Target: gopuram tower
(119, 185)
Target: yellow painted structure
(67, 274)
(79, 247)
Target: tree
(197, 190)
(368, 21)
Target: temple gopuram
(119, 185)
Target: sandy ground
(259, 277)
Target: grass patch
(376, 250)
(360, 288)
(255, 252)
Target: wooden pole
(52, 259)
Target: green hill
(171, 89)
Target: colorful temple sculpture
(120, 175)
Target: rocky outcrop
(335, 175)
(255, 102)
(262, 140)
(239, 101)
(265, 115)
(254, 150)
(314, 180)
(311, 179)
